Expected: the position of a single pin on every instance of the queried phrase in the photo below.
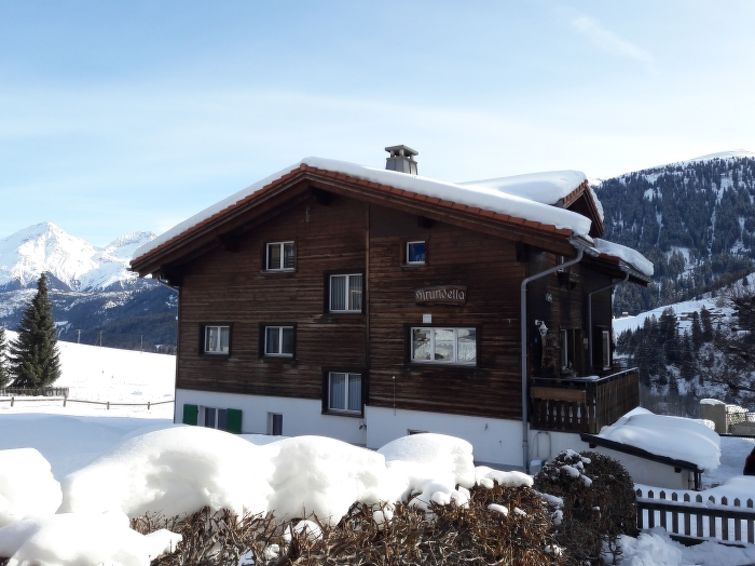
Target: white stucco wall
(300, 416)
(495, 441)
(650, 473)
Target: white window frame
(408, 261)
(279, 353)
(455, 360)
(219, 328)
(349, 376)
(282, 249)
(347, 290)
(605, 337)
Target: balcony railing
(582, 404)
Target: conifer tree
(697, 331)
(707, 323)
(4, 369)
(34, 354)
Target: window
(212, 417)
(433, 345)
(274, 424)
(279, 341)
(345, 392)
(217, 339)
(606, 342)
(346, 293)
(280, 256)
(570, 340)
(415, 253)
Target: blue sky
(122, 116)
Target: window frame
(327, 388)
(282, 246)
(407, 261)
(281, 327)
(203, 339)
(347, 288)
(605, 338)
(455, 362)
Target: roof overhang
(300, 181)
(595, 440)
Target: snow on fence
(34, 392)
(24, 399)
(693, 518)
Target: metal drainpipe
(589, 313)
(523, 338)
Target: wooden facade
(338, 227)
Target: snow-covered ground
(92, 468)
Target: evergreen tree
(34, 354)
(697, 331)
(707, 323)
(4, 370)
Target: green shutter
(233, 421)
(190, 414)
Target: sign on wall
(455, 295)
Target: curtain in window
(337, 390)
(355, 292)
(225, 338)
(289, 256)
(288, 341)
(271, 345)
(421, 344)
(467, 345)
(445, 339)
(355, 392)
(273, 256)
(338, 293)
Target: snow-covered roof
(678, 438)
(547, 187)
(483, 197)
(628, 255)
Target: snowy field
(71, 476)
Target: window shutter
(233, 421)
(190, 414)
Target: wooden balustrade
(582, 404)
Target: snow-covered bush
(597, 501)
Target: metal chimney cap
(401, 151)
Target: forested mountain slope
(695, 220)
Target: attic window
(416, 252)
(280, 256)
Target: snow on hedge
(82, 539)
(179, 470)
(680, 438)
(486, 198)
(27, 486)
(174, 471)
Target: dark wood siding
(338, 234)
(233, 286)
(487, 266)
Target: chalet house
(365, 304)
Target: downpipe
(523, 339)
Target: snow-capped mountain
(694, 219)
(95, 298)
(73, 262)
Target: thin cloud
(608, 41)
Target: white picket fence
(693, 517)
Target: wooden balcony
(582, 404)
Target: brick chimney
(401, 159)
